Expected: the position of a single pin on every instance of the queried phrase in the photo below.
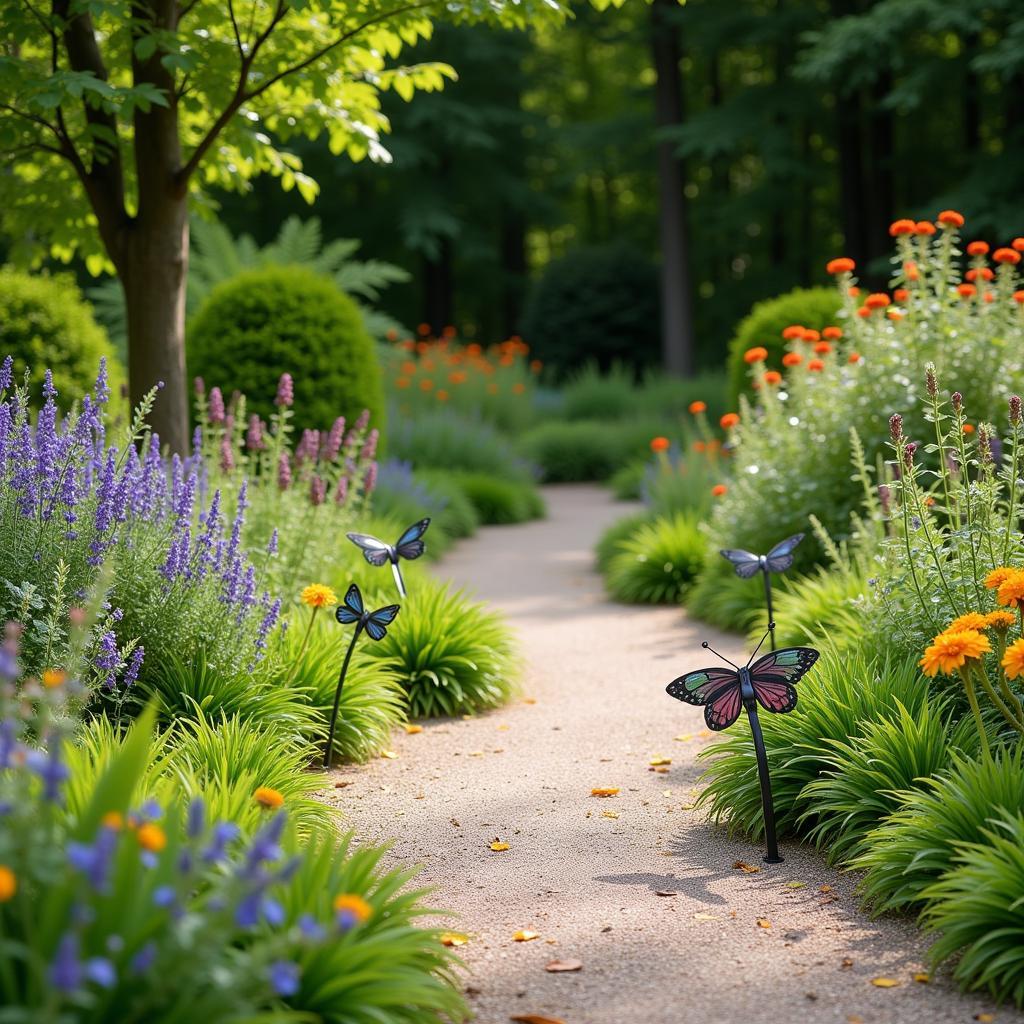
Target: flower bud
(1015, 410)
(930, 381)
(908, 454)
(958, 401)
(895, 426)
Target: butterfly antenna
(750, 660)
(708, 647)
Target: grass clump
(656, 563)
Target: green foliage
(265, 321)
(813, 308)
(586, 449)
(838, 701)
(720, 598)
(452, 656)
(977, 913)
(918, 844)
(610, 542)
(627, 482)
(458, 516)
(45, 324)
(497, 500)
(598, 303)
(658, 562)
(589, 394)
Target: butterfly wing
(717, 689)
(376, 552)
(409, 545)
(352, 608)
(775, 676)
(378, 620)
(745, 563)
(780, 558)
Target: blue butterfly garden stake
(409, 546)
(779, 559)
(375, 624)
(723, 693)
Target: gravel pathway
(638, 888)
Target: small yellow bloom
(1000, 621)
(113, 820)
(972, 620)
(269, 798)
(351, 909)
(54, 677)
(8, 884)
(998, 576)
(951, 651)
(151, 837)
(1011, 590)
(1013, 659)
(316, 595)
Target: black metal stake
(771, 841)
(768, 599)
(337, 695)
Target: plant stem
(302, 649)
(972, 699)
(1011, 511)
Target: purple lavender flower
(94, 859)
(217, 413)
(370, 480)
(6, 373)
(311, 928)
(363, 422)
(370, 448)
(254, 435)
(333, 444)
(199, 385)
(267, 624)
(8, 742)
(49, 768)
(134, 664)
(284, 472)
(284, 977)
(341, 491)
(196, 817)
(227, 455)
(272, 543)
(66, 970)
(107, 658)
(100, 389)
(224, 832)
(285, 391)
(143, 960)
(106, 510)
(317, 490)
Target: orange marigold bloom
(718, 490)
(8, 884)
(902, 227)
(1006, 256)
(966, 291)
(698, 407)
(518, 388)
(1000, 621)
(351, 909)
(951, 651)
(1018, 244)
(773, 377)
(877, 300)
(840, 265)
(1018, 297)
(863, 312)
(816, 365)
(1011, 591)
(895, 315)
(317, 595)
(442, 395)
(832, 333)
(988, 297)
(968, 428)
(997, 577)
(853, 357)
(54, 677)
(901, 295)
(951, 219)
(268, 798)
(1013, 659)
(113, 820)
(810, 336)
(924, 227)
(402, 382)
(792, 359)
(755, 355)
(984, 273)
(853, 292)
(660, 444)
(977, 248)
(910, 270)
(473, 349)
(151, 837)
(423, 329)
(426, 384)
(729, 420)
(793, 331)
(699, 446)
(970, 620)
(823, 348)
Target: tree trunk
(676, 307)
(439, 288)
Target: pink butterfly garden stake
(723, 693)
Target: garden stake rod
(328, 753)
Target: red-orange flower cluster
(840, 265)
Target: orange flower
(902, 227)
(895, 315)
(792, 359)
(924, 227)
(423, 329)
(792, 332)
(988, 297)
(1018, 297)
(113, 820)
(840, 265)
(1011, 590)
(1006, 256)
(442, 395)
(536, 366)
(985, 273)
(832, 333)
(997, 577)
(951, 219)
(901, 295)
(863, 312)
(853, 357)
(351, 909)
(8, 884)
(518, 388)
(698, 407)
(699, 446)
(54, 677)
(853, 292)
(660, 444)
(718, 490)
(977, 248)
(877, 300)
(773, 377)
(1013, 659)
(317, 595)
(426, 384)
(1000, 621)
(755, 355)
(473, 349)
(823, 348)
(816, 365)
(968, 428)
(910, 269)
(810, 336)
(268, 798)
(951, 651)
(402, 382)
(966, 291)
(729, 420)
(971, 620)
(151, 837)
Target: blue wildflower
(284, 977)
(66, 969)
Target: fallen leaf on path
(686, 736)
(665, 892)
(985, 1017)
(605, 791)
(529, 700)
(498, 846)
(413, 729)
(824, 888)
(535, 1018)
(502, 728)
(705, 917)
(763, 922)
(846, 964)
(747, 869)
(560, 966)
(795, 885)
(922, 977)
(884, 982)
(476, 753)
(453, 939)
(455, 822)
(342, 785)
(854, 1018)
(659, 760)
(389, 754)
(525, 936)
(609, 814)
(659, 771)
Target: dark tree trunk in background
(805, 214)
(439, 287)
(881, 196)
(677, 341)
(513, 269)
(850, 144)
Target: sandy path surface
(637, 887)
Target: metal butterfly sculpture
(723, 693)
(375, 624)
(748, 565)
(409, 546)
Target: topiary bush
(45, 322)
(598, 303)
(274, 319)
(814, 308)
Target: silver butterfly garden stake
(409, 546)
(375, 623)
(723, 693)
(779, 559)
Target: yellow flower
(950, 651)
(8, 884)
(998, 576)
(351, 909)
(316, 595)
(151, 837)
(269, 798)
(1000, 621)
(1011, 590)
(972, 620)
(113, 820)
(1013, 659)
(54, 677)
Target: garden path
(637, 887)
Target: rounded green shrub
(498, 501)
(658, 563)
(262, 323)
(597, 303)
(46, 324)
(587, 449)
(610, 542)
(763, 325)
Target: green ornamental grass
(658, 562)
